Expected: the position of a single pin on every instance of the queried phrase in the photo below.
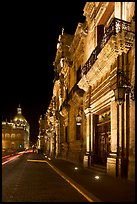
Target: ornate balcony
(117, 38)
(116, 26)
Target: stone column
(131, 162)
(57, 139)
(117, 10)
(51, 145)
(113, 160)
(89, 139)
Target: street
(32, 177)
(28, 178)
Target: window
(78, 132)
(79, 74)
(18, 135)
(7, 136)
(66, 134)
(66, 94)
(12, 136)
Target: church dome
(19, 119)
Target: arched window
(12, 136)
(7, 136)
(18, 136)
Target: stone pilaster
(89, 137)
(113, 162)
(131, 162)
(57, 139)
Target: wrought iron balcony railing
(116, 26)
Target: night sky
(30, 35)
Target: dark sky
(30, 35)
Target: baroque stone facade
(95, 79)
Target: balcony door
(100, 33)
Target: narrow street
(28, 179)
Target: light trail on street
(12, 157)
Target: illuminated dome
(19, 119)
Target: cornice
(79, 35)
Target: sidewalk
(106, 188)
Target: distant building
(16, 133)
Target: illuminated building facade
(42, 135)
(92, 111)
(16, 133)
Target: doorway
(103, 138)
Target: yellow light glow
(76, 168)
(97, 177)
(33, 160)
(58, 45)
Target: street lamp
(78, 119)
(120, 95)
(123, 86)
